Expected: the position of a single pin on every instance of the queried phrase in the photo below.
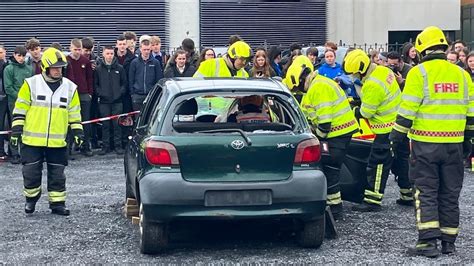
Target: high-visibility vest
(380, 100)
(438, 96)
(326, 102)
(217, 68)
(47, 114)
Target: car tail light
(308, 151)
(161, 153)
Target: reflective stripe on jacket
(326, 102)
(217, 68)
(47, 113)
(380, 99)
(438, 96)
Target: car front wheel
(312, 234)
(153, 236)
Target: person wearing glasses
(206, 53)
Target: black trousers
(137, 101)
(437, 172)
(86, 101)
(127, 107)
(400, 169)
(334, 152)
(110, 128)
(3, 120)
(32, 159)
(13, 151)
(378, 169)
(95, 128)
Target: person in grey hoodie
(145, 71)
(110, 83)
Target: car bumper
(167, 196)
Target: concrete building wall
(369, 21)
(183, 21)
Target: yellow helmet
(298, 71)
(239, 49)
(52, 57)
(429, 37)
(356, 61)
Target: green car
(224, 148)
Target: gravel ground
(97, 232)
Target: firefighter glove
(357, 113)
(15, 138)
(15, 141)
(78, 137)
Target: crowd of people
(118, 80)
(397, 93)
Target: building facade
(210, 22)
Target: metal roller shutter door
(52, 21)
(263, 22)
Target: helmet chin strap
(47, 76)
(232, 60)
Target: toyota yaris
(224, 149)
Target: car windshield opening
(249, 112)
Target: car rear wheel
(312, 234)
(153, 236)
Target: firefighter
(230, 65)
(298, 74)
(47, 105)
(380, 99)
(437, 113)
(327, 108)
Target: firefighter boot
(30, 206)
(59, 209)
(447, 247)
(427, 248)
(336, 211)
(366, 207)
(405, 202)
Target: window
(250, 112)
(150, 102)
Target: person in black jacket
(110, 83)
(124, 57)
(179, 67)
(3, 105)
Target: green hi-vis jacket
(438, 98)
(325, 102)
(380, 100)
(217, 68)
(47, 114)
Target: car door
(132, 156)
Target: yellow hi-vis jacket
(47, 114)
(326, 102)
(380, 100)
(438, 96)
(217, 68)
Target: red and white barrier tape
(93, 120)
(109, 118)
